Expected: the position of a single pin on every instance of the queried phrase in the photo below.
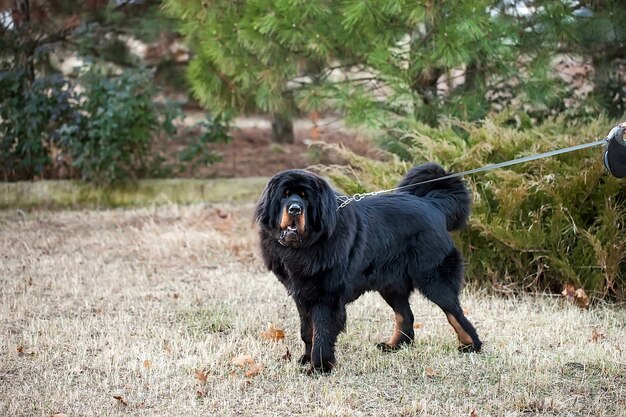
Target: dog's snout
(295, 209)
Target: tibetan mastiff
(392, 243)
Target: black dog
(327, 257)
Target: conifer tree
(384, 63)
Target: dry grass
(151, 306)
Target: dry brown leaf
(243, 360)
(254, 370)
(273, 333)
(147, 363)
(418, 325)
(201, 375)
(221, 214)
(473, 414)
(575, 296)
(22, 351)
(430, 372)
(287, 356)
(200, 392)
(581, 299)
(568, 292)
(596, 335)
(121, 400)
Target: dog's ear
(324, 210)
(268, 206)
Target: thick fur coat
(391, 243)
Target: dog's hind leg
(403, 331)
(443, 288)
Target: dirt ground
(165, 311)
(251, 152)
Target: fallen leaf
(200, 392)
(575, 296)
(221, 214)
(243, 360)
(273, 333)
(121, 400)
(147, 363)
(473, 414)
(22, 351)
(430, 372)
(596, 335)
(568, 292)
(201, 375)
(254, 370)
(581, 299)
(287, 356)
(418, 325)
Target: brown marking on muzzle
(300, 223)
(286, 220)
(464, 337)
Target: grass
(73, 193)
(140, 312)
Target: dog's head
(297, 207)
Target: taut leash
(614, 161)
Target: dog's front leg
(306, 332)
(328, 320)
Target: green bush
(198, 151)
(104, 135)
(121, 121)
(534, 226)
(37, 124)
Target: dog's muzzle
(292, 224)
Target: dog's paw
(304, 359)
(386, 347)
(322, 370)
(468, 349)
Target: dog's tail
(450, 195)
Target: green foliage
(379, 61)
(121, 121)
(37, 123)
(534, 226)
(198, 152)
(105, 134)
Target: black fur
(391, 243)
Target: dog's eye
(287, 193)
(302, 194)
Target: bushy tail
(451, 195)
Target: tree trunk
(425, 85)
(282, 129)
(25, 57)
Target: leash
(616, 133)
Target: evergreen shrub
(534, 226)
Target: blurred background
(127, 73)
(110, 92)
